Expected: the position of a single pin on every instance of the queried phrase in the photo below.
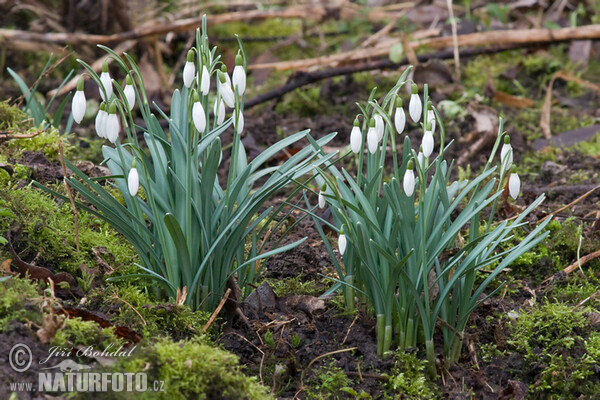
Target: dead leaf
(513, 101)
(51, 324)
(5, 267)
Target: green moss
(18, 298)
(191, 370)
(408, 381)
(11, 117)
(298, 284)
(77, 332)
(330, 382)
(47, 142)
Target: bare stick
(574, 266)
(216, 312)
(454, 40)
(571, 204)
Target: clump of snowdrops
(194, 234)
(414, 245)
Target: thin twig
(329, 354)
(571, 204)
(576, 265)
(454, 40)
(69, 193)
(217, 310)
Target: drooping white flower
(129, 92)
(204, 81)
(100, 121)
(225, 90)
(415, 107)
(198, 115)
(111, 124)
(372, 137)
(399, 116)
(408, 183)
(219, 110)
(79, 102)
(379, 126)
(133, 180)
(239, 75)
(514, 183)
(322, 199)
(106, 83)
(431, 117)
(506, 156)
(189, 69)
(421, 158)
(342, 241)
(427, 142)
(355, 138)
(239, 124)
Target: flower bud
(414, 106)
(111, 126)
(225, 90)
(355, 137)
(427, 142)
(129, 92)
(379, 126)
(239, 76)
(408, 183)
(189, 69)
(78, 105)
(372, 137)
(399, 116)
(342, 241)
(322, 199)
(506, 156)
(239, 124)
(431, 117)
(106, 82)
(219, 111)
(198, 115)
(514, 183)
(133, 180)
(205, 81)
(100, 121)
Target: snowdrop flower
(129, 92)
(414, 106)
(78, 104)
(204, 81)
(399, 116)
(239, 76)
(355, 137)
(225, 90)
(133, 180)
(421, 157)
(198, 115)
(219, 110)
(372, 137)
(342, 241)
(100, 121)
(106, 82)
(427, 142)
(506, 153)
(322, 199)
(379, 126)
(409, 179)
(111, 124)
(514, 183)
(239, 124)
(189, 69)
(431, 117)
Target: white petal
(506, 151)
(130, 96)
(189, 70)
(78, 106)
(219, 111)
(355, 139)
(100, 123)
(372, 140)
(227, 94)
(239, 79)
(415, 107)
(133, 181)
(409, 182)
(239, 126)
(342, 243)
(205, 81)
(198, 116)
(421, 159)
(107, 83)
(514, 185)
(427, 143)
(431, 119)
(379, 126)
(111, 128)
(399, 120)
(322, 200)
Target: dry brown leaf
(51, 324)
(5, 267)
(513, 101)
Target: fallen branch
(576, 265)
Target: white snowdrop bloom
(506, 154)
(106, 82)
(355, 138)
(239, 124)
(189, 69)
(129, 92)
(421, 158)
(322, 199)
(111, 124)
(379, 127)
(514, 184)
(399, 116)
(219, 110)
(372, 137)
(100, 121)
(133, 180)
(225, 90)
(204, 81)
(427, 143)
(239, 76)
(342, 241)
(415, 107)
(79, 102)
(431, 117)
(198, 115)
(408, 183)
